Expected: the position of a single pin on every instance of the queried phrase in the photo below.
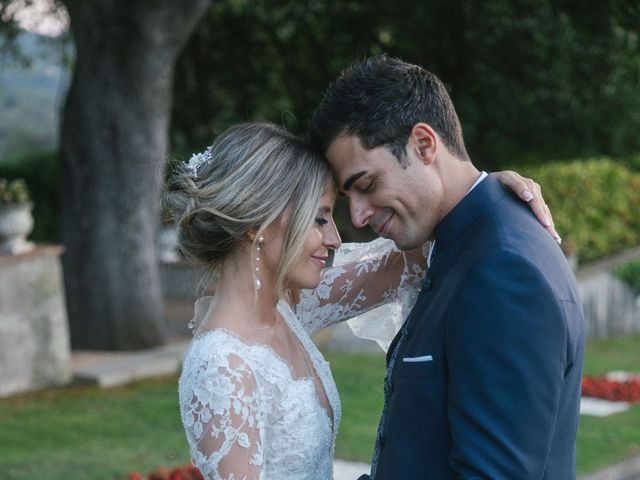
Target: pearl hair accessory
(197, 160)
(258, 248)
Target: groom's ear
(424, 141)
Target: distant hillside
(31, 97)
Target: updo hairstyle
(253, 173)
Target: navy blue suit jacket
(500, 318)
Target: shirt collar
(482, 176)
(480, 197)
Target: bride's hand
(529, 191)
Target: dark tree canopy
(531, 79)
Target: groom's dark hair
(379, 100)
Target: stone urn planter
(16, 223)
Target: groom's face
(401, 203)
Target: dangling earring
(258, 248)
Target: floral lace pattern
(244, 413)
(372, 284)
(246, 417)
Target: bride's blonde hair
(243, 183)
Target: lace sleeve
(223, 418)
(364, 276)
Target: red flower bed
(185, 472)
(627, 390)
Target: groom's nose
(360, 212)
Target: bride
(257, 399)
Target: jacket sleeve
(506, 354)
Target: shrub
(14, 191)
(41, 173)
(594, 204)
(632, 162)
(630, 274)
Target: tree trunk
(114, 139)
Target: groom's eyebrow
(351, 180)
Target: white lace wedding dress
(246, 414)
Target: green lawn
(359, 379)
(82, 432)
(87, 433)
(622, 353)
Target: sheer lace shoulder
(373, 281)
(222, 412)
(247, 417)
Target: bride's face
(322, 237)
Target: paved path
(626, 470)
(343, 470)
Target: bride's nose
(331, 238)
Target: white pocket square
(424, 358)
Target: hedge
(595, 204)
(630, 274)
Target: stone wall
(610, 306)
(34, 335)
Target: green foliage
(40, 173)
(594, 204)
(530, 79)
(266, 60)
(632, 162)
(630, 273)
(14, 191)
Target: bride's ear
(252, 234)
(256, 235)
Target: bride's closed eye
(321, 221)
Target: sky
(40, 16)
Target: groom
(484, 377)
